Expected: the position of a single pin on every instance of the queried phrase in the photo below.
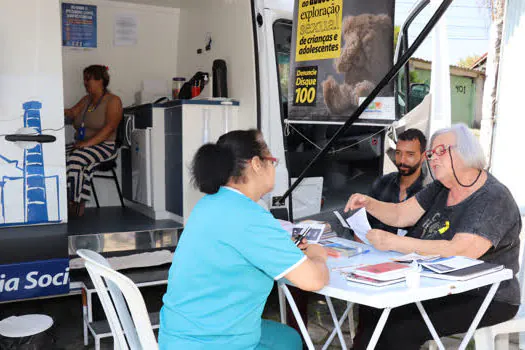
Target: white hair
(467, 145)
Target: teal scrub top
(223, 269)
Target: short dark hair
(414, 134)
(98, 72)
(215, 163)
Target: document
(466, 273)
(453, 263)
(358, 222)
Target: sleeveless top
(95, 120)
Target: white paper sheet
(125, 30)
(359, 224)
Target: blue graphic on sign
(34, 177)
(29, 180)
(34, 279)
(79, 25)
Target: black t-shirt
(386, 189)
(490, 212)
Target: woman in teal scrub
(231, 252)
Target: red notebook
(384, 271)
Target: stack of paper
(379, 275)
(384, 271)
(352, 277)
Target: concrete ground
(67, 315)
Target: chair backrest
(135, 327)
(121, 133)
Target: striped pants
(80, 164)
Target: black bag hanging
(185, 90)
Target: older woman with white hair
(466, 211)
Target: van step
(142, 277)
(102, 327)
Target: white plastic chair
(130, 331)
(486, 337)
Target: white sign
(381, 108)
(125, 30)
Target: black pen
(300, 238)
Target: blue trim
(32, 279)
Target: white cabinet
(178, 129)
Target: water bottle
(220, 84)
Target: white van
(146, 42)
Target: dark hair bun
(212, 166)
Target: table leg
(90, 306)
(484, 306)
(336, 322)
(379, 328)
(341, 320)
(297, 315)
(430, 326)
(351, 321)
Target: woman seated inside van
(95, 118)
(466, 211)
(231, 252)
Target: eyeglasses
(275, 161)
(438, 151)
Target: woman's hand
(329, 251)
(315, 251)
(303, 245)
(356, 201)
(77, 109)
(80, 144)
(381, 240)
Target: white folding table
(390, 297)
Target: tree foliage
(468, 61)
(396, 34)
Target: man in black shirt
(399, 186)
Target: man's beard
(409, 169)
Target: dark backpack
(185, 90)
